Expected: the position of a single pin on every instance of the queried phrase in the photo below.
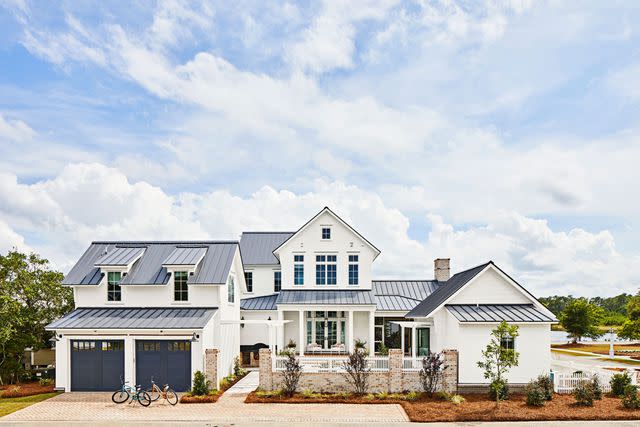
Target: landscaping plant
(291, 344)
(596, 387)
(630, 399)
(497, 360)
(536, 394)
(584, 393)
(431, 372)
(544, 381)
(357, 370)
(238, 370)
(201, 385)
(291, 374)
(619, 382)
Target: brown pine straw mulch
(24, 389)
(480, 408)
(213, 396)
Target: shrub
(357, 370)
(456, 399)
(45, 381)
(431, 372)
(443, 395)
(584, 393)
(308, 394)
(15, 391)
(360, 344)
(619, 382)
(201, 385)
(291, 374)
(238, 370)
(291, 344)
(412, 396)
(544, 381)
(630, 399)
(499, 390)
(384, 351)
(268, 394)
(536, 395)
(596, 387)
(382, 395)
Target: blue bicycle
(126, 392)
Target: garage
(96, 365)
(166, 361)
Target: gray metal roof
(257, 247)
(185, 255)
(469, 313)
(134, 318)
(120, 256)
(450, 287)
(401, 295)
(149, 270)
(337, 296)
(266, 302)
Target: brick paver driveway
(230, 408)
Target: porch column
(280, 331)
(372, 328)
(350, 330)
(413, 342)
(402, 339)
(301, 335)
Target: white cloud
(626, 82)
(15, 130)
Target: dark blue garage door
(96, 365)
(167, 362)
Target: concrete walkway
(245, 385)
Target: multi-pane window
(326, 233)
(84, 345)
(248, 277)
(178, 346)
(326, 270)
(298, 269)
(277, 281)
(148, 345)
(231, 290)
(112, 345)
(507, 342)
(180, 289)
(114, 293)
(353, 269)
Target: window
(277, 281)
(248, 277)
(353, 269)
(112, 345)
(180, 289)
(507, 342)
(326, 233)
(326, 270)
(298, 269)
(84, 345)
(114, 292)
(148, 346)
(231, 290)
(178, 346)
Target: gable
(489, 287)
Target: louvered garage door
(96, 365)
(167, 362)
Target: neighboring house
(149, 310)
(318, 282)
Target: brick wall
(211, 365)
(393, 381)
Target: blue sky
(476, 130)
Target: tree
(431, 372)
(498, 358)
(357, 370)
(631, 328)
(581, 319)
(291, 374)
(31, 296)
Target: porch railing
(411, 364)
(331, 364)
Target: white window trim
(326, 270)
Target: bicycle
(167, 394)
(127, 392)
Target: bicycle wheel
(172, 397)
(120, 396)
(144, 399)
(154, 394)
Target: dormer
(115, 264)
(182, 263)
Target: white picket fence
(331, 364)
(564, 382)
(411, 364)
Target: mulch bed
(298, 398)
(24, 389)
(480, 408)
(213, 396)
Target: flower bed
(213, 395)
(25, 389)
(309, 397)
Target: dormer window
(180, 288)
(326, 233)
(114, 292)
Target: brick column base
(266, 374)
(211, 366)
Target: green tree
(581, 319)
(556, 303)
(631, 328)
(499, 358)
(31, 296)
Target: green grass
(574, 353)
(13, 404)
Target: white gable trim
(507, 279)
(308, 223)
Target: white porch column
(350, 330)
(372, 329)
(301, 335)
(402, 339)
(413, 342)
(280, 331)
(130, 360)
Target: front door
(422, 336)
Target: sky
(475, 130)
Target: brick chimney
(441, 269)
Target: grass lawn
(12, 404)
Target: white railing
(411, 364)
(331, 364)
(564, 382)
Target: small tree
(581, 319)
(291, 374)
(631, 328)
(201, 385)
(618, 382)
(431, 372)
(499, 358)
(357, 370)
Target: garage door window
(148, 346)
(112, 346)
(84, 345)
(179, 346)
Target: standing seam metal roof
(183, 255)
(329, 297)
(120, 256)
(402, 295)
(468, 313)
(257, 247)
(266, 302)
